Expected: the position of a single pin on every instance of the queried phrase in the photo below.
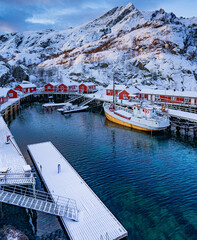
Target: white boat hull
(135, 122)
(77, 109)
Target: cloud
(22, 15)
(93, 5)
(51, 16)
(40, 21)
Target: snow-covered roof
(131, 91)
(88, 84)
(169, 92)
(4, 92)
(27, 85)
(117, 87)
(69, 84)
(53, 84)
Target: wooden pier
(95, 221)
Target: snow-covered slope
(134, 47)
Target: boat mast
(113, 92)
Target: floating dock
(95, 221)
(53, 104)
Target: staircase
(39, 201)
(86, 102)
(73, 98)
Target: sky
(28, 15)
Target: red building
(26, 87)
(118, 89)
(129, 93)
(3, 95)
(6, 93)
(12, 93)
(169, 96)
(51, 87)
(87, 88)
(68, 87)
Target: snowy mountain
(135, 47)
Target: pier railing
(17, 178)
(39, 200)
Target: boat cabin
(144, 112)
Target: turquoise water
(148, 182)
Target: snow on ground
(184, 115)
(10, 157)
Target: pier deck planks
(95, 220)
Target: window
(49, 87)
(124, 96)
(186, 99)
(173, 98)
(10, 94)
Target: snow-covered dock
(13, 167)
(183, 115)
(10, 156)
(52, 104)
(95, 221)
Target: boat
(137, 117)
(142, 118)
(69, 108)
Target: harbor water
(148, 182)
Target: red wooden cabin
(68, 87)
(51, 87)
(129, 93)
(87, 88)
(170, 96)
(12, 94)
(26, 87)
(118, 89)
(3, 95)
(6, 93)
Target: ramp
(39, 201)
(86, 102)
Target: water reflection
(148, 182)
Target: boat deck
(95, 221)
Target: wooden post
(1, 210)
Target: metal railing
(39, 200)
(17, 178)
